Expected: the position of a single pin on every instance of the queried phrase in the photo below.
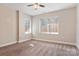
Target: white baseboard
(6, 44)
(10, 43)
(23, 40)
(55, 42)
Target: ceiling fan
(36, 5)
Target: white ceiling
(48, 7)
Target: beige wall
(7, 25)
(9, 29)
(67, 25)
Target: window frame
(29, 18)
(48, 29)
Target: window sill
(27, 32)
(50, 33)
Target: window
(27, 24)
(49, 25)
(44, 25)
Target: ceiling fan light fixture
(36, 5)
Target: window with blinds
(49, 25)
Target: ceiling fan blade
(29, 5)
(41, 5)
